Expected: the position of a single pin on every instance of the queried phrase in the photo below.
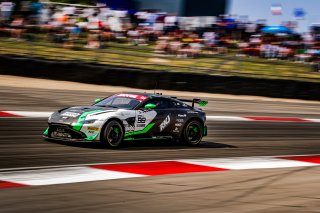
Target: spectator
(209, 38)
(6, 10)
(170, 22)
(179, 36)
(17, 28)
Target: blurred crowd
(93, 26)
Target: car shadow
(146, 144)
(165, 144)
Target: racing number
(141, 119)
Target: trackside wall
(146, 79)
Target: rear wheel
(112, 134)
(192, 133)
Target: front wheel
(192, 133)
(112, 134)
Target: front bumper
(64, 132)
(67, 140)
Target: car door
(162, 115)
(181, 116)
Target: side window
(159, 102)
(179, 105)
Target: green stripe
(77, 126)
(145, 130)
(92, 137)
(46, 131)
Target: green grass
(143, 57)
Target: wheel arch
(189, 120)
(108, 121)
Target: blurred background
(233, 37)
(62, 53)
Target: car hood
(72, 114)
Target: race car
(130, 116)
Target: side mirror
(97, 100)
(150, 106)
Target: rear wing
(195, 100)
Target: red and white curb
(22, 114)
(41, 176)
(27, 114)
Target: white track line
(313, 120)
(62, 176)
(249, 163)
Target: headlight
(49, 119)
(91, 121)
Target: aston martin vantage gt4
(129, 116)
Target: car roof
(145, 94)
(151, 95)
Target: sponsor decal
(138, 97)
(180, 120)
(129, 128)
(182, 115)
(60, 130)
(141, 125)
(70, 114)
(176, 130)
(178, 124)
(93, 128)
(165, 123)
(192, 112)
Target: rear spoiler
(195, 100)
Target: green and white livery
(128, 116)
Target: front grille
(64, 132)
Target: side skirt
(152, 138)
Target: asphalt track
(265, 190)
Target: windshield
(119, 102)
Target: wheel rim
(193, 133)
(114, 135)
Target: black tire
(192, 133)
(112, 134)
